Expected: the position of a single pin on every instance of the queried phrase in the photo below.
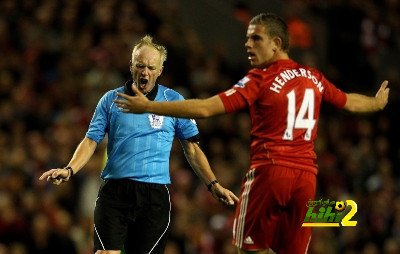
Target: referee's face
(146, 68)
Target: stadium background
(59, 57)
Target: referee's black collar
(150, 95)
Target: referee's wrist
(211, 184)
(70, 172)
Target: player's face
(260, 48)
(146, 68)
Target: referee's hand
(56, 175)
(223, 195)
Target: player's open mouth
(251, 56)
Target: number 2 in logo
(346, 222)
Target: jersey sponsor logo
(242, 82)
(156, 121)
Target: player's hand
(382, 95)
(132, 104)
(56, 176)
(223, 195)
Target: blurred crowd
(59, 57)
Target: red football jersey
(284, 101)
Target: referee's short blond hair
(147, 40)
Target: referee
(133, 208)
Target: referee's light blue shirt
(139, 145)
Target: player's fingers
(384, 84)
(123, 96)
(387, 92)
(136, 90)
(121, 105)
(383, 90)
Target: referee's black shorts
(132, 215)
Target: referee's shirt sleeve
(98, 125)
(186, 128)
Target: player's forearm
(181, 109)
(193, 108)
(82, 154)
(363, 104)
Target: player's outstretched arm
(193, 108)
(361, 103)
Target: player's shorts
(132, 215)
(272, 208)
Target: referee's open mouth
(143, 82)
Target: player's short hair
(275, 26)
(147, 40)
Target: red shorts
(272, 208)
